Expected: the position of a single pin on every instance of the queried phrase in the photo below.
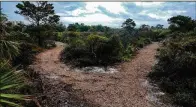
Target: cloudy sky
(113, 13)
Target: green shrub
(110, 51)
(69, 36)
(184, 99)
(49, 44)
(175, 72)
(163, 34)
(75, 52)
(19, 36)
(142, 41)
(27, 55)
(96, 50)
(128, 52)
(60, 36)
(153, 35)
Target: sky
(112, 14)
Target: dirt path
(64, 88)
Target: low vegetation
(108, 47)
(94, 50)
(175, 71)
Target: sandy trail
(65, 88)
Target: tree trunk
(40, 41)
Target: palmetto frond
(8, 49)
(10, 80)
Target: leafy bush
(60, 36)
(19, 36)
(128, 52)
(49, 44)
(27, 55)
(175, 72)
(110, 51)
(151, 34)
(141, 42)
(67, 37)
(94, 50)
(163, 34)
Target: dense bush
(181, 23)
(67, 37)
(94, 50)
(175, 72)
(154, 35)
(162, 35)
(142, 41)
(19, 36)
(49, 44)
(26, 56)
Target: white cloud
(176, 11)
(163, 15)
(113, 7)
(60, 14)
(156, 16)
(79, 11)
(92, 19)
(92, 7)
(153, 15)
(91, 14)
(148, 4)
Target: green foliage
(141, 42)
(8, 49)
(37, 12)
(128, 52)
(129, 25)
(163, 34)
(76, 27)
(91, 48)
(41, 15)
(40, 34)
(105, 50)
(181, 23)
(72, 27)
(28, 51)
(175, 72)
(94, 50)
(68, 37)
(60, 36)
(19, 36)
(49, 44)
(159, 26)
(60, 27)
(144, 27)
(10, 81)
